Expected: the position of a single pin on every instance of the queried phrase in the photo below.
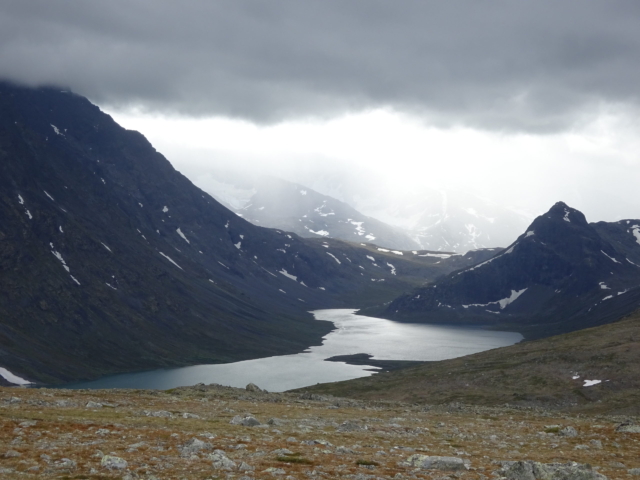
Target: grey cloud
(503, 64)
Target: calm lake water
(383, 339)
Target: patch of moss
(294, 459)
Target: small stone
(245, 467)
(344, 451)
(437, 463)
(275, 471)
(252, 387)
(111, 462)
(65, 463)
(193, 446)
(221, 461)
(349, 426)
(634, 471)
(12, 454)
(568, 432)
(93, 405)
(190, 415)
(596, 444)
(628, 428)
(159, 413)
(247, 421)
(282, 451)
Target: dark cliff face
(561, 274)
(111, 260)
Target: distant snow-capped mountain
(447, 221)
(276, 203)
(433, 217)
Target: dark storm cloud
(531, 65)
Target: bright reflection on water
(384, 339)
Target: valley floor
(187, 433)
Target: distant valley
(112, 261)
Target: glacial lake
(383, 339)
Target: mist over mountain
(276, 203)
(354, 207)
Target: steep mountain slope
(562, 274)
(111, 260)
(276, 203)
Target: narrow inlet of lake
(383, 339)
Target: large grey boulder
(529, 470)
(437, 463)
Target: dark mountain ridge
(112, 261)
(562, 274)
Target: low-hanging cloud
(505, 65)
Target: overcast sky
(525, 98)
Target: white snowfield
(334, 257)
(182, 235)
(591, 383)
(288, 275)
(515, 294)
(610, 258)
(171, 260)
(566, 215)
(12, 378)
(322, 233)
(635, 230)
(397, 252)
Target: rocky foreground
(208, 432)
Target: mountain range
(112, 261)
(561, 274)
